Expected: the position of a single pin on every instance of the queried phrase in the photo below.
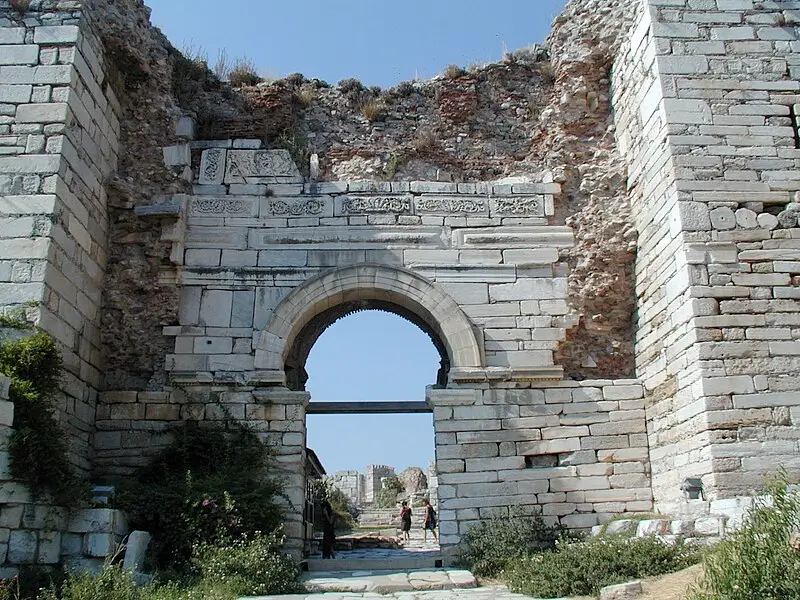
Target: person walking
(430, 522)
(405, 521)
(328, 530)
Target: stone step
(395, 563)
(388, 581)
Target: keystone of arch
(368, 282)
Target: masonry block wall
(705, 98)
(58, 142)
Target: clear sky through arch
(371, 356)
(379, 43)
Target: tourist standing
(405, 521)
(328, 530)
(430, 522)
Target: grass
(374, 110)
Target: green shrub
(208, 486)
(250, 566)
(454, 72)
(581, 568)
(488, 547)
(346, 513)
(757, 561)
(38, 447)
(387, 496)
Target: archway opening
(365, 354)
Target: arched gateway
(264, 262)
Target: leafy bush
(488, 547)
(250, 566)
(581, 568)
(387, 496)
(757, 561)
(208, 486)
(346, 513)
(38, 447)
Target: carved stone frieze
(222, 207)
(212, 166)
(526, 206)
(244, 165)
(450, 205)
(360, 205)
(297, 208)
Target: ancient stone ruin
(600, 237)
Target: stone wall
(704, 112)
(33, 532)
(576, 451)
(59, 134)
(350, 483)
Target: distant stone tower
(373, 480)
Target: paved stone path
(484, 593)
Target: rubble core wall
(60, 141)
(704, 103)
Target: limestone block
(6, 409)
(622, 591)
(12, 35)
(186, 127)
(708, 526)
(22, 546)
(19, 54)
(71, 544)
(98, 520)
(49, 548)
(648, 527)
(625, 526)
(177, 156)
(5, 385)
(135, 550)
(11, 515)
(13, 493)
(100, 545)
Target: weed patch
(581, 568)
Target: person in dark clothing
(405, 521)
(328, 532)
(430, 522)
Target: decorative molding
(450, 205)
(376, 204)
(285, 208)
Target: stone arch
(320, 301)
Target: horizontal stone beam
(364, 408)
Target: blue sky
(381, 43)
(369, 355)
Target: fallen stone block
(623, 591)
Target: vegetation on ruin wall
(208, 487)
(762, 559)
(346, 513)
(38, 446)
(540, 560)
